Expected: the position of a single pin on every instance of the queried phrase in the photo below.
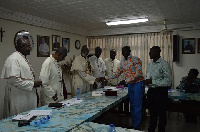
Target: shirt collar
(128, 57)
(21, 54)
(158, 61)
(53, 58)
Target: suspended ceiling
(89, 17)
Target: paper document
(40, 112)
(71, 101)
(97, 93)
(22, 117)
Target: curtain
(140, 45)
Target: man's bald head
(23, 46)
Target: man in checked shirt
(132, 67)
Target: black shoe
(131, 127)
(137, 129)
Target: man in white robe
(81, 70)
(20, 94)
(51, 76)
(98, 66)
(112, 64)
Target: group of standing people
(87, 73)
(109, 70)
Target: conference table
(179, 101)
(71, 118)
(184, 102)
(181, 95)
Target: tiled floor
(175, 123)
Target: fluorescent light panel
(127, 22)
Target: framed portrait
(43, 48)
(77, 44)
(66, 43)
(55, 42)
(188, 46)
(198, 46)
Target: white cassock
(44, 49)
(111, 67)
(81, 75)
(20, 96)
(51, 77)
(98, 68)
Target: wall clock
(77, 44)
(24, 34)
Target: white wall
(7, 47)
(187, 61)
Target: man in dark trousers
(159, 82)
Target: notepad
(40, 112)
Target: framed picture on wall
(188, 46)
(43, 48)
(55, 42)
(66, 43)
(198, 46)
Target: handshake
(101, 79)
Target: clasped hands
(67, 67)
(37, 83)
(148, 81)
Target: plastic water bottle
(37, 123)
(111, 128)
(48, 117)
(78, 94)
(40, 121)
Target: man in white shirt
(44, 48)
(98, 65)
(112, 64)
(51, 76)
(81, 70)
(20, 94)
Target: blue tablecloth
(181, 95)
(95, 127)
(69, 117)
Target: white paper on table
(71, 101)
(22, 117)
(97, 93)
(40, 112)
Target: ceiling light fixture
(127, 21)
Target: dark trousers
(157, 98)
